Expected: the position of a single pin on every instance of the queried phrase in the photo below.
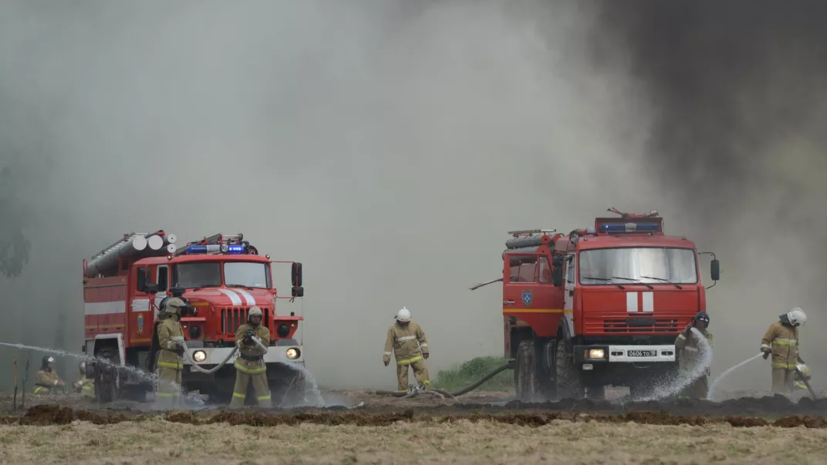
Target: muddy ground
(359, 426)
(495, 403)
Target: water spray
(727, 372)
(136, 371)
(677, 384)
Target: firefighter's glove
(426, 355)
(248, 336)
(386, 362)
(766, 351)
(179, 348)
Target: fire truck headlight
(596, 353)
(293, 353)
(199, 356)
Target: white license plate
(643, 353)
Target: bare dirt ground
(158, 440)
(359, 426)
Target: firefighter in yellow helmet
(46, 379)
(169, 362)
(84, 385)
(410, 347)
(691, 354)
(249, 366)
(781, 341)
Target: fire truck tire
(106, 386)
(567, 378)
(525, 373)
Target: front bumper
(215, 355)
(624, 353)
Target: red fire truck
(220, 277)
(597, 307)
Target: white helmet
(403, 315)
(797, 316)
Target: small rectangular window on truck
(545, 270)
(523, 269)
(140, 280)
(163, 278)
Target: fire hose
(212, 370)
(452, 395)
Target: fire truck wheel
(525, 373)
(567, 378)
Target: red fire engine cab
(220, 277)
(597, 307)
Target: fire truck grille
(640, 325)
(232, 318)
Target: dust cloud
(387, 145)
(738, 106)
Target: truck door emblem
(140, 324)
(528, 297)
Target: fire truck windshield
(199, 274)
(246, 274)
(638, 264)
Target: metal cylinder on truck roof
(518, 259)
(132, 248)
(155, 242)
(530, 241)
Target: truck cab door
(568, 296)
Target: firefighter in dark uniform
(691, 354)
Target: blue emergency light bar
(214, 248)
(629, 227)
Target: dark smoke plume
(726, 80)
(736, 136)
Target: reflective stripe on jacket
(782, 340)
(167, 330)
(405, 342)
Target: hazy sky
(390, 145)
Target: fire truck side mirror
(298, 291)
(557, 276)
(715, 270)
(296, 275)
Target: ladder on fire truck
(531, 232)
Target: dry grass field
(155, 440)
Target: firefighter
(46, 379)
(249, 366)
(781, 341)
(169, 362)
(691, 354)
(84, 385)
(410, 346)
